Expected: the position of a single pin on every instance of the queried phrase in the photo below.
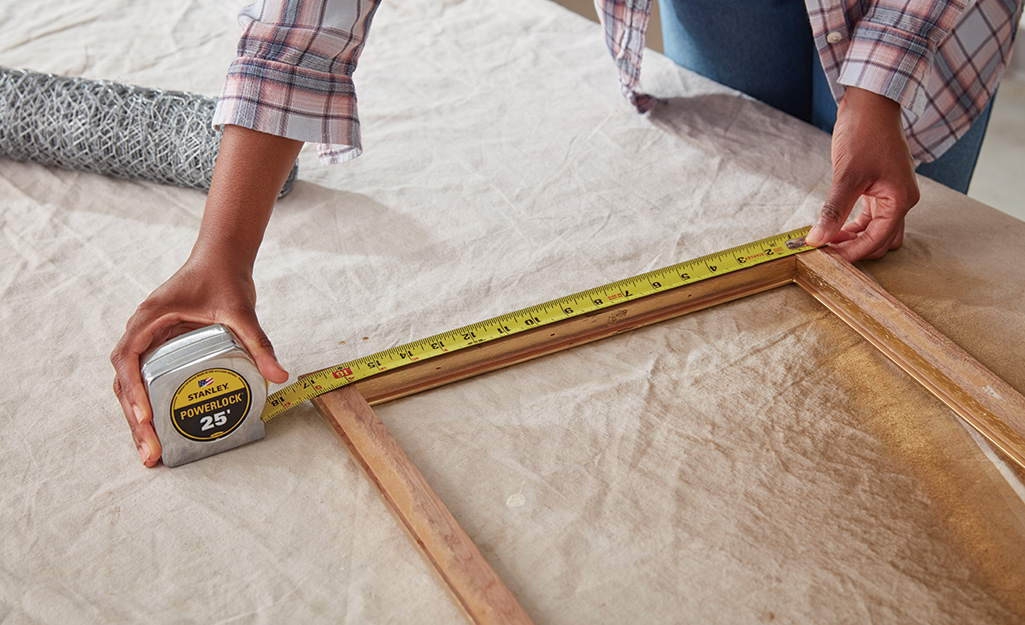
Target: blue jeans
(765, 49)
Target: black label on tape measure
(210, 404)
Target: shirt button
(834, 37)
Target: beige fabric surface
(750, 463)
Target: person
(895, 81)
(292, 83)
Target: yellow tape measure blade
(540, 315)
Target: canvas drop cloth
(755, 462)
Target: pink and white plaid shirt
(293, 73)
(941, 60)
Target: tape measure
(585, 302)
(205, 392)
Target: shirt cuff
(294, 102)
(891, 62)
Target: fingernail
(144, 452)
(139, 416)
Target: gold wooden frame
(976, 394)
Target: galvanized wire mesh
(110, 128)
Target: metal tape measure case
(206, 394)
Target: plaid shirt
(941, 60)
(293, 73)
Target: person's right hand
(871, 161)
(215, 285)
(199, 294)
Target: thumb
(260, 348)
(837, 207)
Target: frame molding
(973, 392)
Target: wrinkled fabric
(754, 462)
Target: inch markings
(689, 272)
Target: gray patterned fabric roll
(110, 128)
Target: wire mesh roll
(110, 128)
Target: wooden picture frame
(976, 394)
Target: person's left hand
(871, 160)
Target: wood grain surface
(470, 581)
(575, 331)
(975, 393)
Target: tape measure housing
(206, 394)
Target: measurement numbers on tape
(689, 272)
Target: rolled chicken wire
(110, 128)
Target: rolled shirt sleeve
(940, 59)
(893, 46)
(293, 73)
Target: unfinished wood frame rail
(470, 581)
(976, 394)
